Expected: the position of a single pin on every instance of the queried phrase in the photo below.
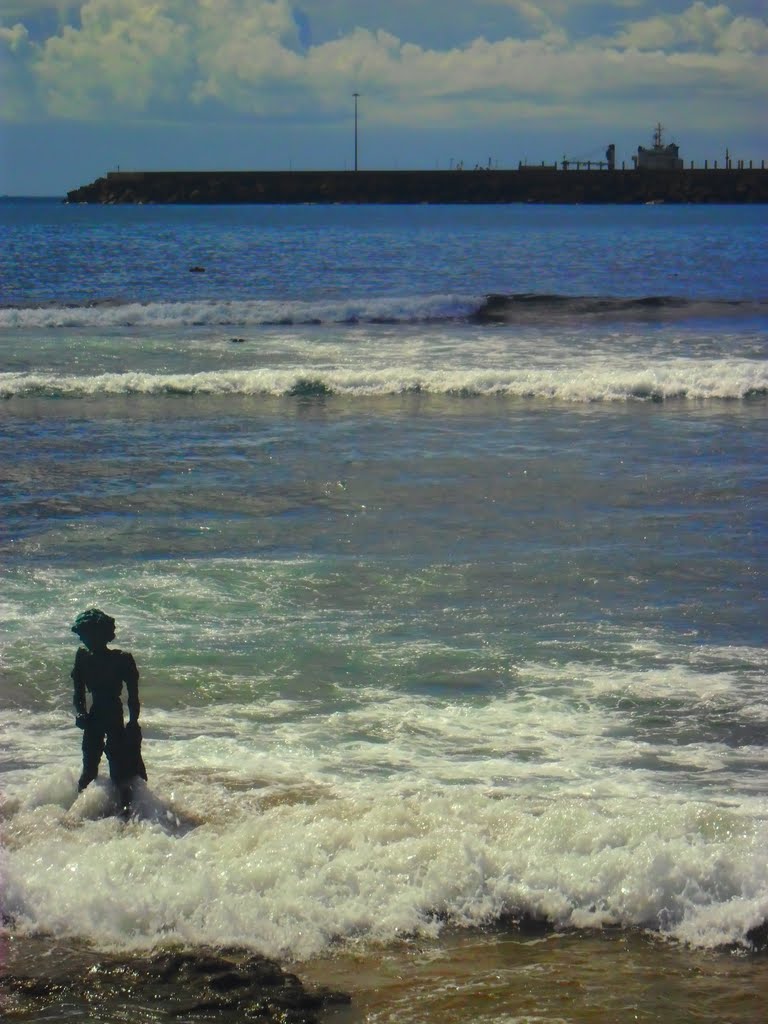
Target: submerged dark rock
(306, 388)
(176, 984)
(757, 938)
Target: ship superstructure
(659, 157)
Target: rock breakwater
(526, 185)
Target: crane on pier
(589, 163)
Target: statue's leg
(93, 748)
(115, 748)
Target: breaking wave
(532, 306)
(681, 379)
(256, 312)
(488, 309)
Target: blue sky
(91, 86)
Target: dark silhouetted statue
(101, 671)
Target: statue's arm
(78, 698)
(131, 678)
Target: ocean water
(439, 537)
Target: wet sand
(499, 977)
(504, 978)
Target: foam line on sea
(289, 814)
(592, 381)
(241, 313)
(293, 865)
(537, 308)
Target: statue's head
(94, 626)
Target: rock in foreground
(202, 984)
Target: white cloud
(14, 38)
(136, 57)
(17, 85)
(708, 28)
(127, 54)
(243, 49)
(537, 15)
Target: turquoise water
(441, 618)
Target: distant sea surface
(439, 535)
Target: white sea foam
(107, 315)
(287, 830)
(531, 308)
(373, 863)
(589, 382)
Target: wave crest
(678, 380)
(230, 313)
(526, 307)
(489, 309)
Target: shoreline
(501, 974)
(473, 974)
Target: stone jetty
(546, 184)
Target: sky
(92, 86)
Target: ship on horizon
(659, 157)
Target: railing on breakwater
(526, 184)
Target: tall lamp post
(356, 94)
